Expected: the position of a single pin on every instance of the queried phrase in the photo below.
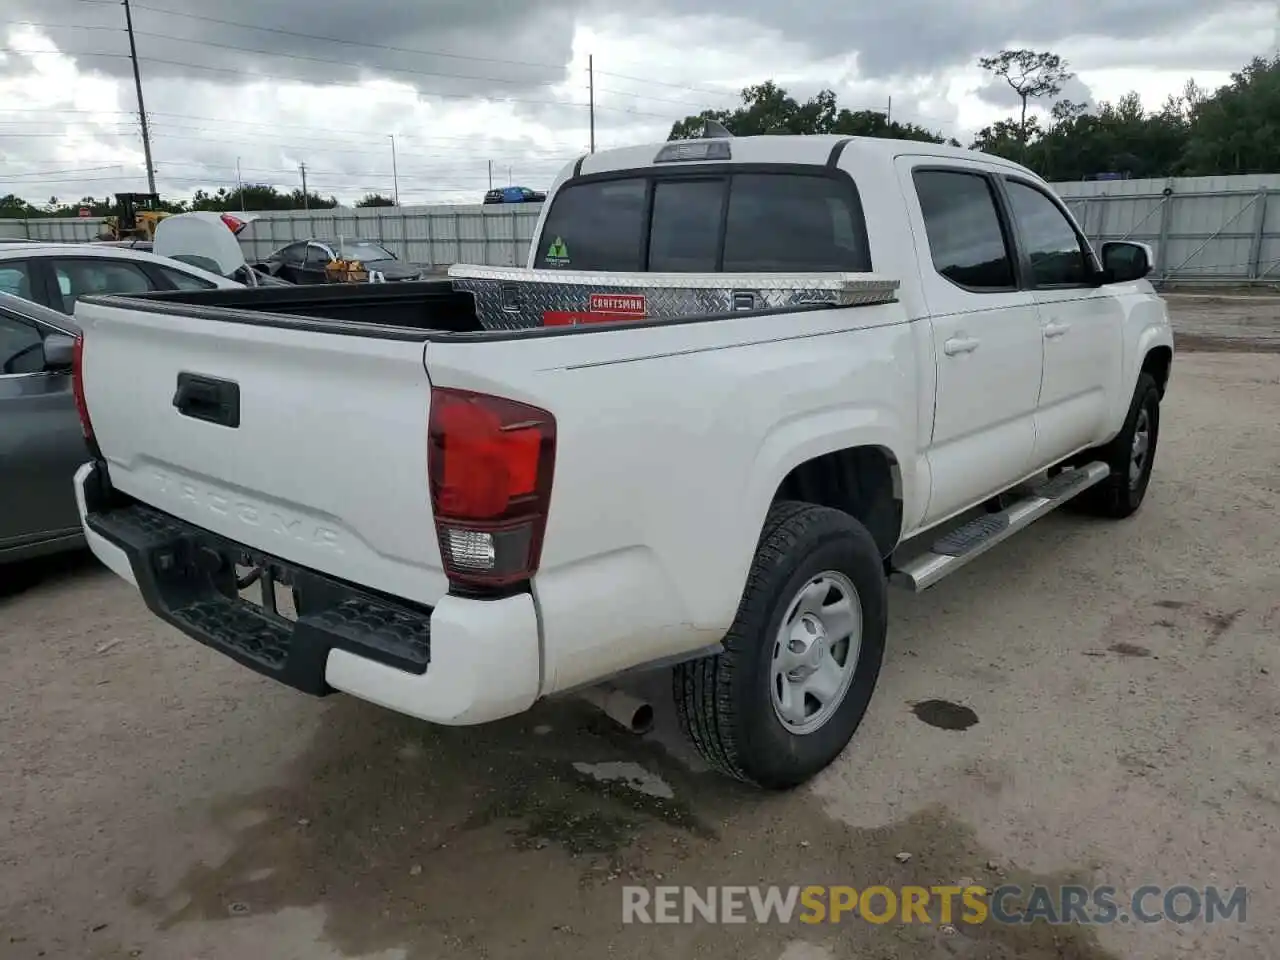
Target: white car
(57, 275)
(742, 386)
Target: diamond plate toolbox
(512, 298)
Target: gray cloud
(173, 40)
(998, 93)
(913, 37)
(205, 117)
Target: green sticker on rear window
(557, 253)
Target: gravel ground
(158, 801)
(1226, 320)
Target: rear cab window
(728, 219)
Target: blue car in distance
(514, 195)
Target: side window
(185, 281)
(1057, 256)
(80, 278)
(15, 278)
(684, 235)
(780, 222)
(961, 221)
(316, 256)
(20, 346)
(293, 253)
(595, 226)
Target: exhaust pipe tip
(630, 712)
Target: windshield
(362, 250)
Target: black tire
(1122, 493)
(725, 704)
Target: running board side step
(952, 551)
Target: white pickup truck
(706, 426)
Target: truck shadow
(517, 838)
(46, 572)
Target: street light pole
(142, 109)
(395, 176)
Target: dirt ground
(158, 801)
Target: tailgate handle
(209, 399)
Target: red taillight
(234, 224)
(490, 462)
(77, 387)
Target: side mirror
(1124, 261)
(59, 351)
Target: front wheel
(1130, 456)
(802, 657)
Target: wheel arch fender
(803, 439)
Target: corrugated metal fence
(1203, 229)
(497, 234)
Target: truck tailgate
(305, 445)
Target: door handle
(958, 345)
(1054, 329)
(209, 399)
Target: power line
(45, 173)
(250, 77)
(236, 122)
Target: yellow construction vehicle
(135, 218)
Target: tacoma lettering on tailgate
(248, 513)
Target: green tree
(1031, 74)
(1007, 138)
(13, 207)
(375, 200)
(768, 108)
(1237, 129)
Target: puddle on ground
(944, 714)
(488, 842)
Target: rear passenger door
(1080, 323)
(985, 331)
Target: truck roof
(805, 149)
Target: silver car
(40, 440)
(41, 444)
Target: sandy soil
(158, 801)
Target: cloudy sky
(462, 84)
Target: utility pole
(590, 86)
(239, 185)
(888, 113)
(306, 199)
(395, 175)
(490, 174)
(508, 176)
(142, 109)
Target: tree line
(249, 197)
(1232, 130)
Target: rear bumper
(460, 662)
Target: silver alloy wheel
(1141, 448)
(815, 653)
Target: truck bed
(402, 310)
(501, 302)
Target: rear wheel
(1130, 456)
(802, 657)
